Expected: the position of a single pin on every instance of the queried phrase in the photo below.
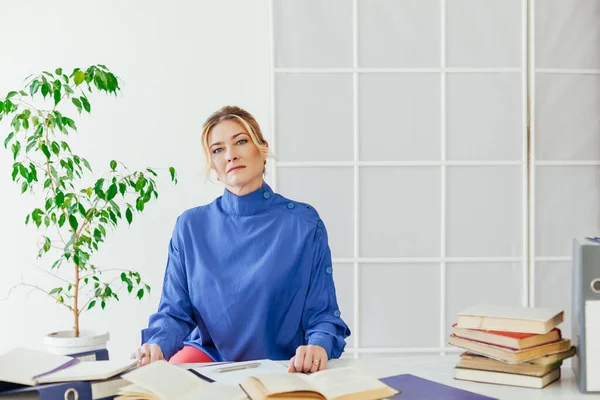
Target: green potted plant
(75, 215)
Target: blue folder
(414, 388)
(66, 390)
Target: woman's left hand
(308, 359)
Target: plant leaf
(173, 174)
(112, 192)
(8, 139)
(129, 215)
(56, 96)
(73, 222)
(79, 77)
(35, 85)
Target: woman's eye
(242, 141)
(217, 150)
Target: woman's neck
(247, 188)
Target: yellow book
(333, 384)
(508, 355)
(476, 361)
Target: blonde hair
(242, 117)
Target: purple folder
(414, 388)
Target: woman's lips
(236, 168)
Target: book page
(21, 365)
(338, 382)
(218, 390)
(89, 371)
(166, 381)
(284, 382)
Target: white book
(31, 367)
(502, 378)
(510, 319)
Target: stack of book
(517, 346)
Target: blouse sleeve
(321, 319)
(173, 321)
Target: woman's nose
(231, 155)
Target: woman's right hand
(148, 353)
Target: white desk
(441, 369)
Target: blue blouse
(248, 277)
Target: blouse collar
(248, 204)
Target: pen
(237, 367)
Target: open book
(32, 367)
(161, 380)
(333, 384)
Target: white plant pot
(64, 342)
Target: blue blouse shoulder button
(336, 313)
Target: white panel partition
(405, 124)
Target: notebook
(415, 388)
(31, 367)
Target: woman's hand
(308, 359)
(148, 353)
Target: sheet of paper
(236, 377)
(20, 365)
(89, 371)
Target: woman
(250, 273)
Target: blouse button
(336, 313)
(329, 270)
(266, 195)
(320, 224)
(291, 205)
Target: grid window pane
(399, 33)
(484, 212)
(313, 33)
(389, 317)
(399, 117)
(566, 206)
(484, 117)
(567, 117)
(314, 120)
(399, 212)
(567, 34)
(484, 33)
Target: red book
(510, 340)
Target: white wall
(179, 61)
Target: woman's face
(234, 157)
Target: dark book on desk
(95, 390)
(414, 388)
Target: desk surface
(441, 369)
